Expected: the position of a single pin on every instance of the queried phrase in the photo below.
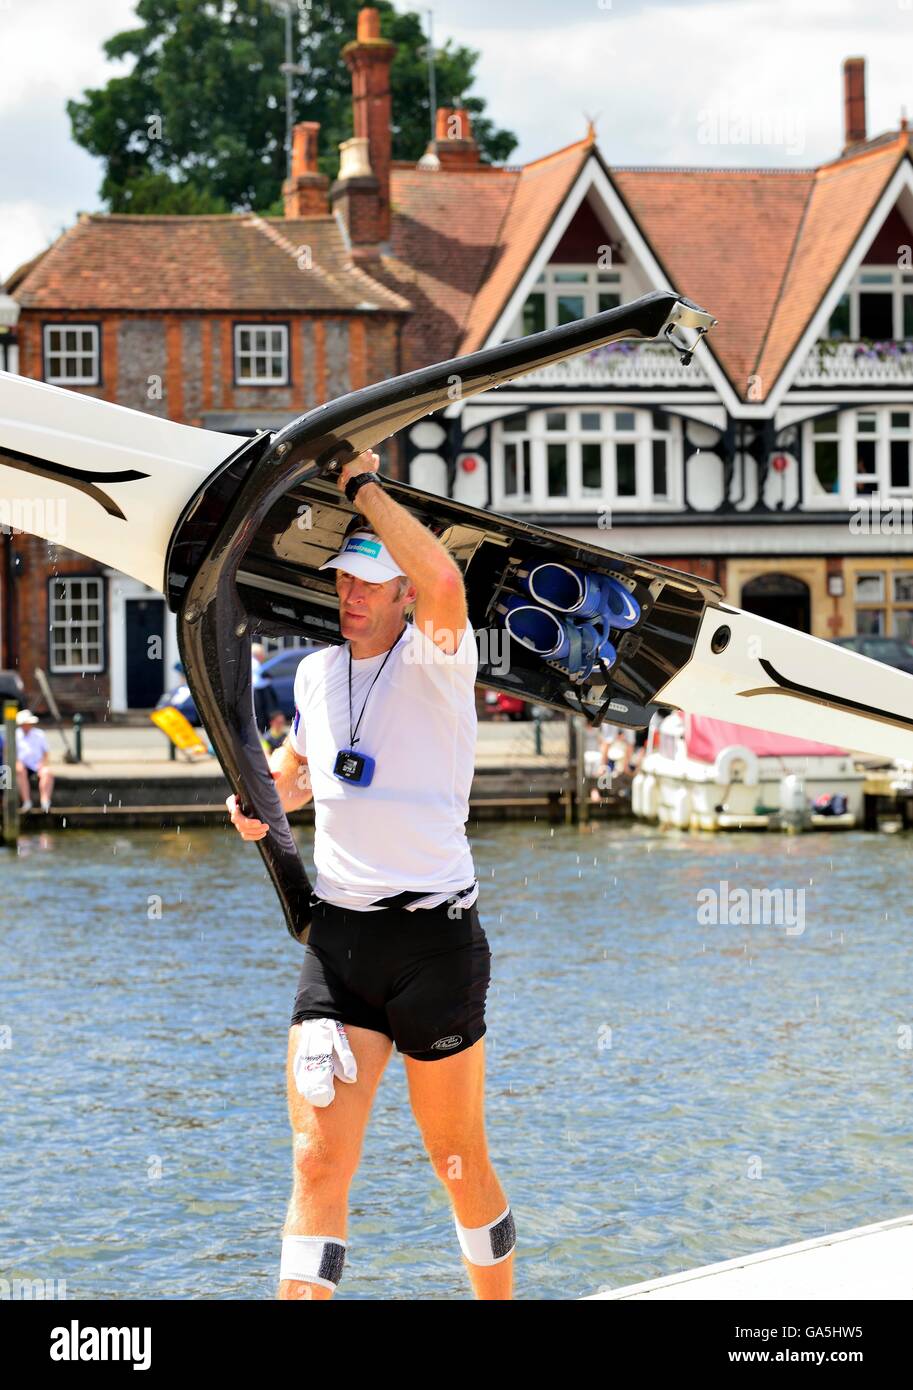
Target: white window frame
(886, 605)
(61, 354)
(848, 436)
(595, 280)
(89, 583)
(574, 436)
(252, 353)
(898, 282)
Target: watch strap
(358, 481)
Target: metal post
(570, 774)
(432, 86)
(289, 109)
(10, 793)
(583, 805)
(77, 735)
(537, 721)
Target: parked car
(891, 650)
(279, 669)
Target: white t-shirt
(31, 746)
(406, 829)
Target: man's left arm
(440, 603)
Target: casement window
(71, 354)
(564, 293)
(579, 459)
(261, 354)
(76, 622)
(856, 454)
(878, 306)
(884, 603)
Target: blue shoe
(537, 628)
(581, 595)
(573, 648)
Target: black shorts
(420, 977)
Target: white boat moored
(699, 773)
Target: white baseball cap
(365, 555)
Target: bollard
(537, 722)
(77, 737)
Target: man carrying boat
(384, 740)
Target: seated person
(32, 761)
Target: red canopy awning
(705, 738)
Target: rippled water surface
(662, 1091)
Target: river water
(667, 1085)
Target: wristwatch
(358, 481)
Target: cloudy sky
(723, 82)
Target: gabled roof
(237, 262)
(759, 248)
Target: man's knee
(318, 1163)
(454, 1161)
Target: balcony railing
(857, 364)
(620, 364)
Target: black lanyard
(353, 732)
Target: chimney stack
(306, 192)
(362, 189)
(853, 101)
(453, 146)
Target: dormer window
(877, 306)
(564, 293)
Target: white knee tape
(488, 1245)
(313, 1259)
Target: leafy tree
(198, 123)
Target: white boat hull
(105, 481)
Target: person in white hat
(32, 758)
(383, 740)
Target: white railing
(620, 364)
(853, 364)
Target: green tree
(198, 123)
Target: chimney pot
(304, 148)
(454, 143)
(305, 192)
(853, 101)
(368, 24)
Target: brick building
(756, 466)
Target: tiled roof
(842, 199)
(237, 262)
(759, 248)
(444, 236)
(723, 238)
